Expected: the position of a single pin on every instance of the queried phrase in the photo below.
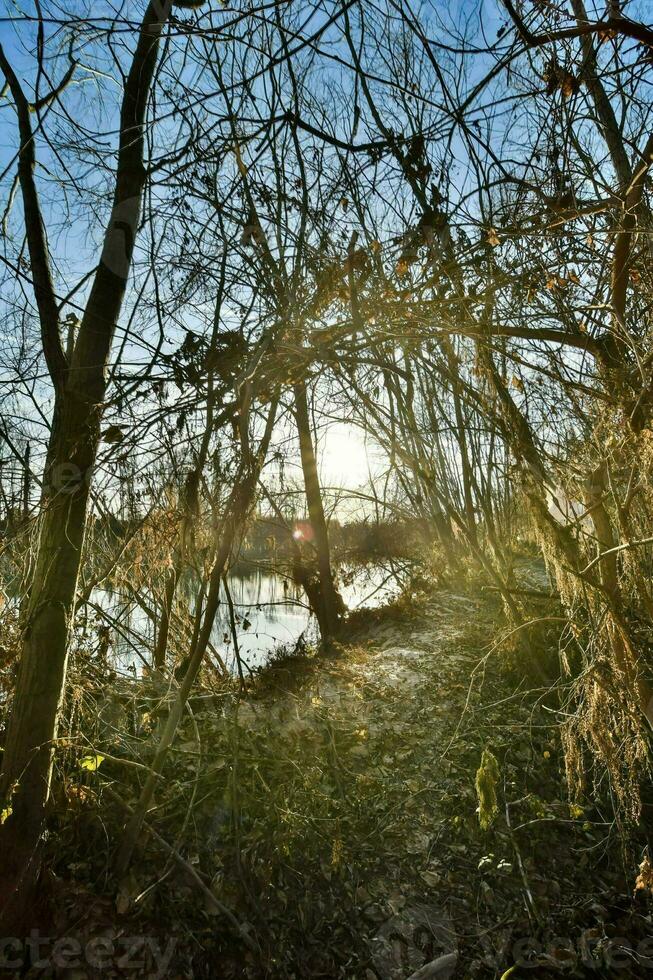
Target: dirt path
(386, 869)
(334, 811)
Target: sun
(346, 458)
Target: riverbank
(333, 811)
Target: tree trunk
(161, 646)
(329, 600)
(32, 727)
(80, 386)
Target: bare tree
(79, 382)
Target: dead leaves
(557, 77)
(402, 267)
(644, 882)
(562, 282)
(113, 434)
(492, 237)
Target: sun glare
(345, 458)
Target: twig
(192, 873)
(530, 902)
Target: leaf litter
(333, 809)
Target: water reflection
(269, 610)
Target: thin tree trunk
(161, 646)
(27, 479)
(237, 511)
(330, 601)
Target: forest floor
(333, 810)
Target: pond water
(270, 613)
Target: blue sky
(93, 99)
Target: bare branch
(35, 230)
